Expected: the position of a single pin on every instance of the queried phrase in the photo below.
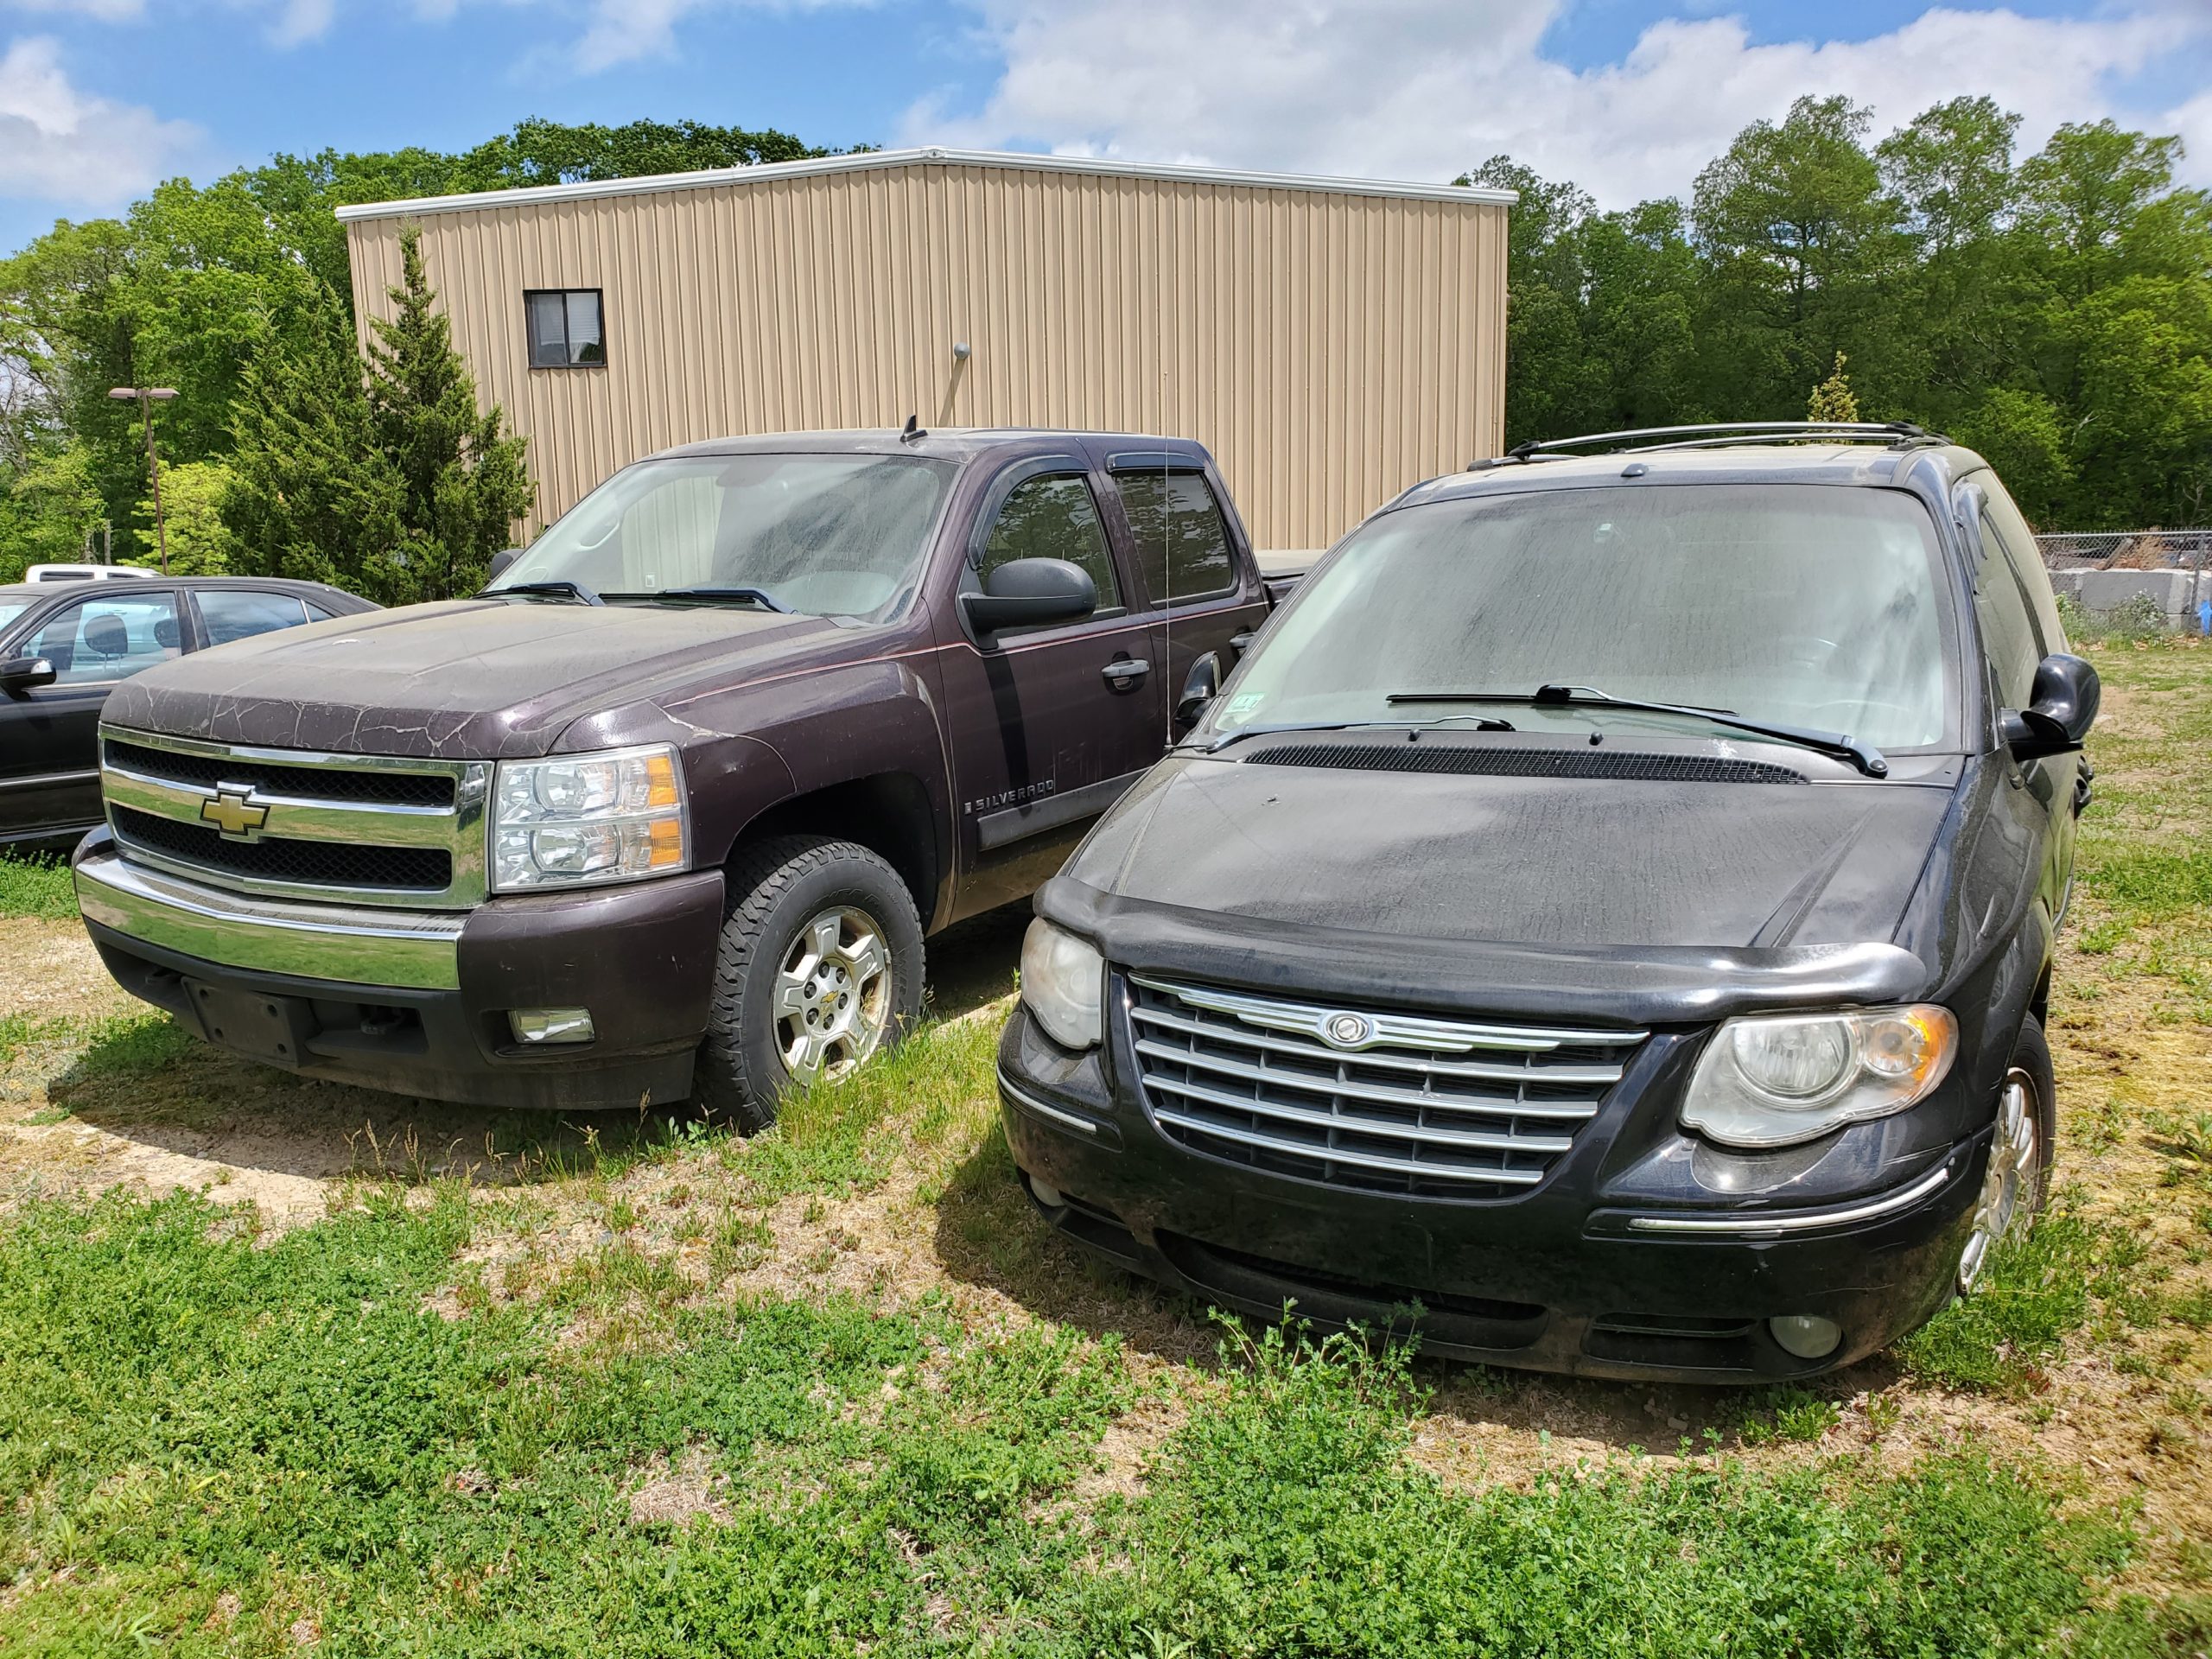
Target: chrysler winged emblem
(1347, 1029)
(235, 812)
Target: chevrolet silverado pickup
(666, 811)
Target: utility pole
(148, 397)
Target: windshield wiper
(709, 594)
(1225, 739)
(1865, 756)
(553, 588)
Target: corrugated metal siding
(1328, 349)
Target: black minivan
(1609, 909)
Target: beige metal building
(1332, 341)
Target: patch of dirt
(49, 969)
(677, 1494)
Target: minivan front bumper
(1560, 1276)
(416, 1002)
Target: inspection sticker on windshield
(1244, 705)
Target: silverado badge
(235, 812)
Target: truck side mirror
(2061, 707)
(1029, 593)
(501, 562)
(1200, 686)
(21, 673)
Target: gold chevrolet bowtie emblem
(236, 814)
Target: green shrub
(37, 887)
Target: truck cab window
(1182, 543)
(1053, 518)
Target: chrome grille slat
(1415, 1099)
(389, 842)
(1282, 1085)
(1465, 1140)
(1477, 1071)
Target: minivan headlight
(1772, 1080)
(572, 820)
(1064, 984)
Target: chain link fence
(2144, 578)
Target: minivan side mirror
(21, 673)
(501, 563)
(1200, 687)
(2061, 707)
(1029, 593)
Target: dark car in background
(66, 645)
(1612, 906)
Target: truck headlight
(1064, 984)
(572, 820)
(1772, 1080)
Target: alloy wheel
(2015, 1164)
(832, 1005)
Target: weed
(39, 887)
(1787, 1414)
(2034, 1292)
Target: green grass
(37, 887)
(2034, 1294)
(210, 1441)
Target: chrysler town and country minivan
(1608, 912)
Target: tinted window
(1181, 541)
(230, 613)
(1053, 519)
(2008, 632)
(2021, 547)
(109, 637)
(1810, 605)
(564, 328)
(12, 608)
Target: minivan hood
(475, 679)
(1574, 864)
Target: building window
(564, 328)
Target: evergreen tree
(311, 494)
(462, 481)
(1834, 399)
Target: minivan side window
(2020, 548)
(108, 638)
(236, 613)
(1053, 517)
(1182, 542)
(2008, 632)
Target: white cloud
(1423, 89)
(60, 145)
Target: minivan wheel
(2019, 1176)
(820, 967)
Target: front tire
(2017, 1179)
(819, 969)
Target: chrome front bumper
(349, 944)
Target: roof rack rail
(1897, 433)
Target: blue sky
(97, 98)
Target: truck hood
(1456, 888)
(476, 679)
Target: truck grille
(309, 783)
(1367, 1098)
(366, 829)
(323, 864)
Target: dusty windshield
(1811, 605)
(826, 535)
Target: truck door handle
(1239, 639)
(1125, 672)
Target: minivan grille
(1420, 1105)
(317, 863)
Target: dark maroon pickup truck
(667, 810)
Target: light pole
(148, 397)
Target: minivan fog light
(540, 1025)
(1806, 1335)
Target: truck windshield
(826, 535)
(1805, 605)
